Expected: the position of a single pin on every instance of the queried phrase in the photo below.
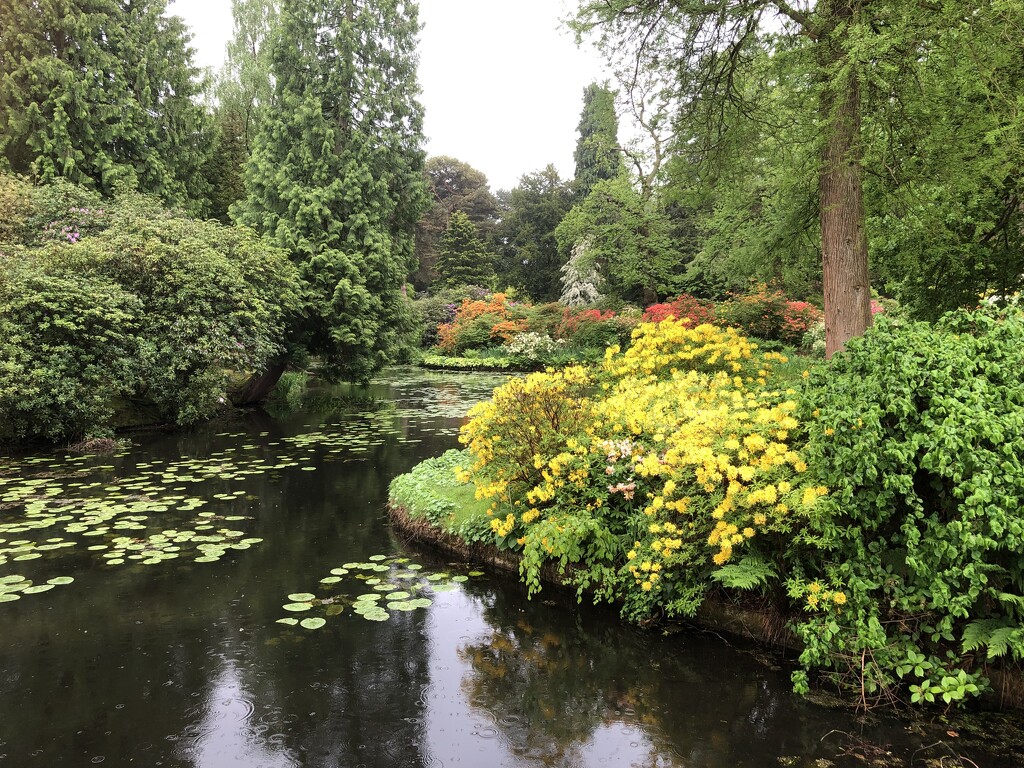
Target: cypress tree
(335, 175)
(101, 93)
(462, 258)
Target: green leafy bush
(147, 304)
(67, 342)
(919, 436)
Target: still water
(150, 588)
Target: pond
(234, 596)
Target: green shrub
(919, 436)
(67, 345)
(152, 306)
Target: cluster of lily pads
(14, 586)
(50, 505)
(396, 583)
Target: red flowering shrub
(768, 314)
(685, 307)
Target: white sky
(502, 82)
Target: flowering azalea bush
(669, 462)
(685, 306)
(768, 314)
(479, 323)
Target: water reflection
(223, 733)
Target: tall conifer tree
(597, 154)
(462, 258)
(336, 171)
(101, 92)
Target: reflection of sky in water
(225, 735)
(457, 732)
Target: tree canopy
(452, 185)
(597, 154)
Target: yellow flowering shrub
(672, 461)
(512, 436)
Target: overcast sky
(502, 81)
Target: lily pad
(37, 589)
(460, 578)
(330, 580)
(314, 623)
(377, 558)
(297, 606)
(289, 621)
(397, 596)
(339, 571)
(60, 580)
(6, 597)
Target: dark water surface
(160, 660)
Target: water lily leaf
(368, 597)
(330, 580)
(205, 559)
(401, 605)
(380, 615)
(31, 556)
(289, 621)
(297, 606)
(60, 580)
(339, 571)
(7, 597)
(36, 589)
(445, 587)
(377, 558)
(414, 566)
(301, 597)
(12, 579)
(421, 602)
(475, 573)
(314, 623)
(460, 578)
(335, 609)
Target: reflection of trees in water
(355, 692)
(554, 683)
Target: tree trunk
(260, 385)
(844, 243)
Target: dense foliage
(876, 501)
(130, 302)
(918, 435)
(102, 93)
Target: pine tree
(462, 258)
(335, 176)
(101, 93)
(597, 154)
(452, 185)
